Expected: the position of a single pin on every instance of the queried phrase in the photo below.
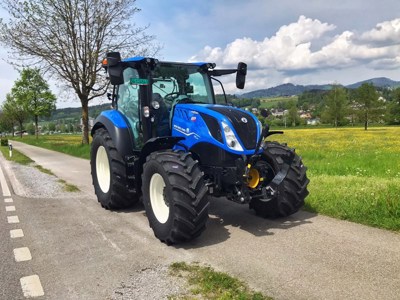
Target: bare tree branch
(68, 38)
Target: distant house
(279, 112)
(313, 122)
(305, 115)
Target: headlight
(230, 138)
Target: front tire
(109, 173)
(289, 195)
(174, 196)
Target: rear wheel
(290, 191)
(174, 196)
(109, 173)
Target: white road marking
(4, 186)
(31, 286)
(8, 200)
(97, 228)
(22, 254)
(12, 219)
(16, 233)
(10, 208)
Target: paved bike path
(71, 169)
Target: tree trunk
(85, 121)
(20, 129)
(366, 121)
(36, 127)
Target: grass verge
(69, 187)
(17, 156)
(68, 144)
(213, 285)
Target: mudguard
(118, 127)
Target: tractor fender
(120, 132)
(157, 144)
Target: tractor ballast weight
(168, 142)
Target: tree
(393, 110)
(367, 103)
(336, 105)
(34, 94)
(68, 38)
(52, 126)
(15, 110)
(293, 114)
(6, 122)
(31, 128)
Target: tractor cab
(146, 91)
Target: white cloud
(289, 51)
(384, 33)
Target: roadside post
(10, 148)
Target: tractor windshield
(181, 81)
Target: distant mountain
(377, 82)
(289, 89)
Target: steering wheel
(171, 96)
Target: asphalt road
(81, 251)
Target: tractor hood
(208, 122)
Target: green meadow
(354, 174)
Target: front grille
(213, 126)
(247, 131)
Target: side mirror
(241, 75)
(115, 68)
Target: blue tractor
(170, 142)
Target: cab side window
(128, 100)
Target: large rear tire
(174, 196)
(109, 173)
(292, 189)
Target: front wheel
(174, 196)
(283, 173)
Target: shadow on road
(224, 213)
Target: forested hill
(75, 113)
(289, 89)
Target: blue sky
(302, 42)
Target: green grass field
(69, 144)
(355, 174)
(273, 102)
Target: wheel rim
(103, 169)
(254, 178)
(157, 199)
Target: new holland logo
(244, 120)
